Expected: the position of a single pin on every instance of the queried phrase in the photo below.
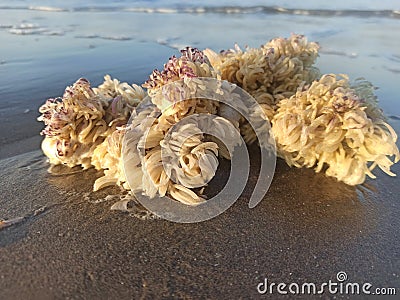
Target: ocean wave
(105, 37)
(217, 10)
(47, 8)
(338, 52)
(31, 29)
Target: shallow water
(48, 44)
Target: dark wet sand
(307, 229)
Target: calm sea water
(46, 45)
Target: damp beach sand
(307, 229)
(63, 243)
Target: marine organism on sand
(325, 122)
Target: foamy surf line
(271, 10)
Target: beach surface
(66, 243)
(307, 229)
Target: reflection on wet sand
(308, 227)
(311, 205)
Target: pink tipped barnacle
(194, 55)
(188, 65)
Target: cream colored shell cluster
(269, 73)
(191, 157)
(324, 122)
(317, 121)
(84, 120)
(165, 157)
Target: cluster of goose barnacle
(327, 124)
(269, 73)
(80, 121)
(317, 121)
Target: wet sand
(307, 229)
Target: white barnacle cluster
(171, 154)
(82, 119)
(269, 73)
(75, 125)
(320, 121)
(124, 97)
(163, 142)
(327, 125)
(160, 156)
